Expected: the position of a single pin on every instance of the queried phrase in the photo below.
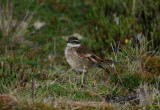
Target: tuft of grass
(13, 28)
(7, 102)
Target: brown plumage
(84, 52)
(80, 58)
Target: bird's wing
(87, 54)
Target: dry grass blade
(83, 105)
(13, 28)
(7, 102)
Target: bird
(81, 58)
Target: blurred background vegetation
(100, 22)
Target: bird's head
(73, 41)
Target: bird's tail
(102, 65)
(111, 61)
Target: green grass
(37, 75)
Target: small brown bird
(80, 58)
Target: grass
(35, 74)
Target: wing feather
(84, 52)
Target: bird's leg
(76, 77)
(84, 76)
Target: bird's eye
(76, 42)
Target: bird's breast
(70, 57)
